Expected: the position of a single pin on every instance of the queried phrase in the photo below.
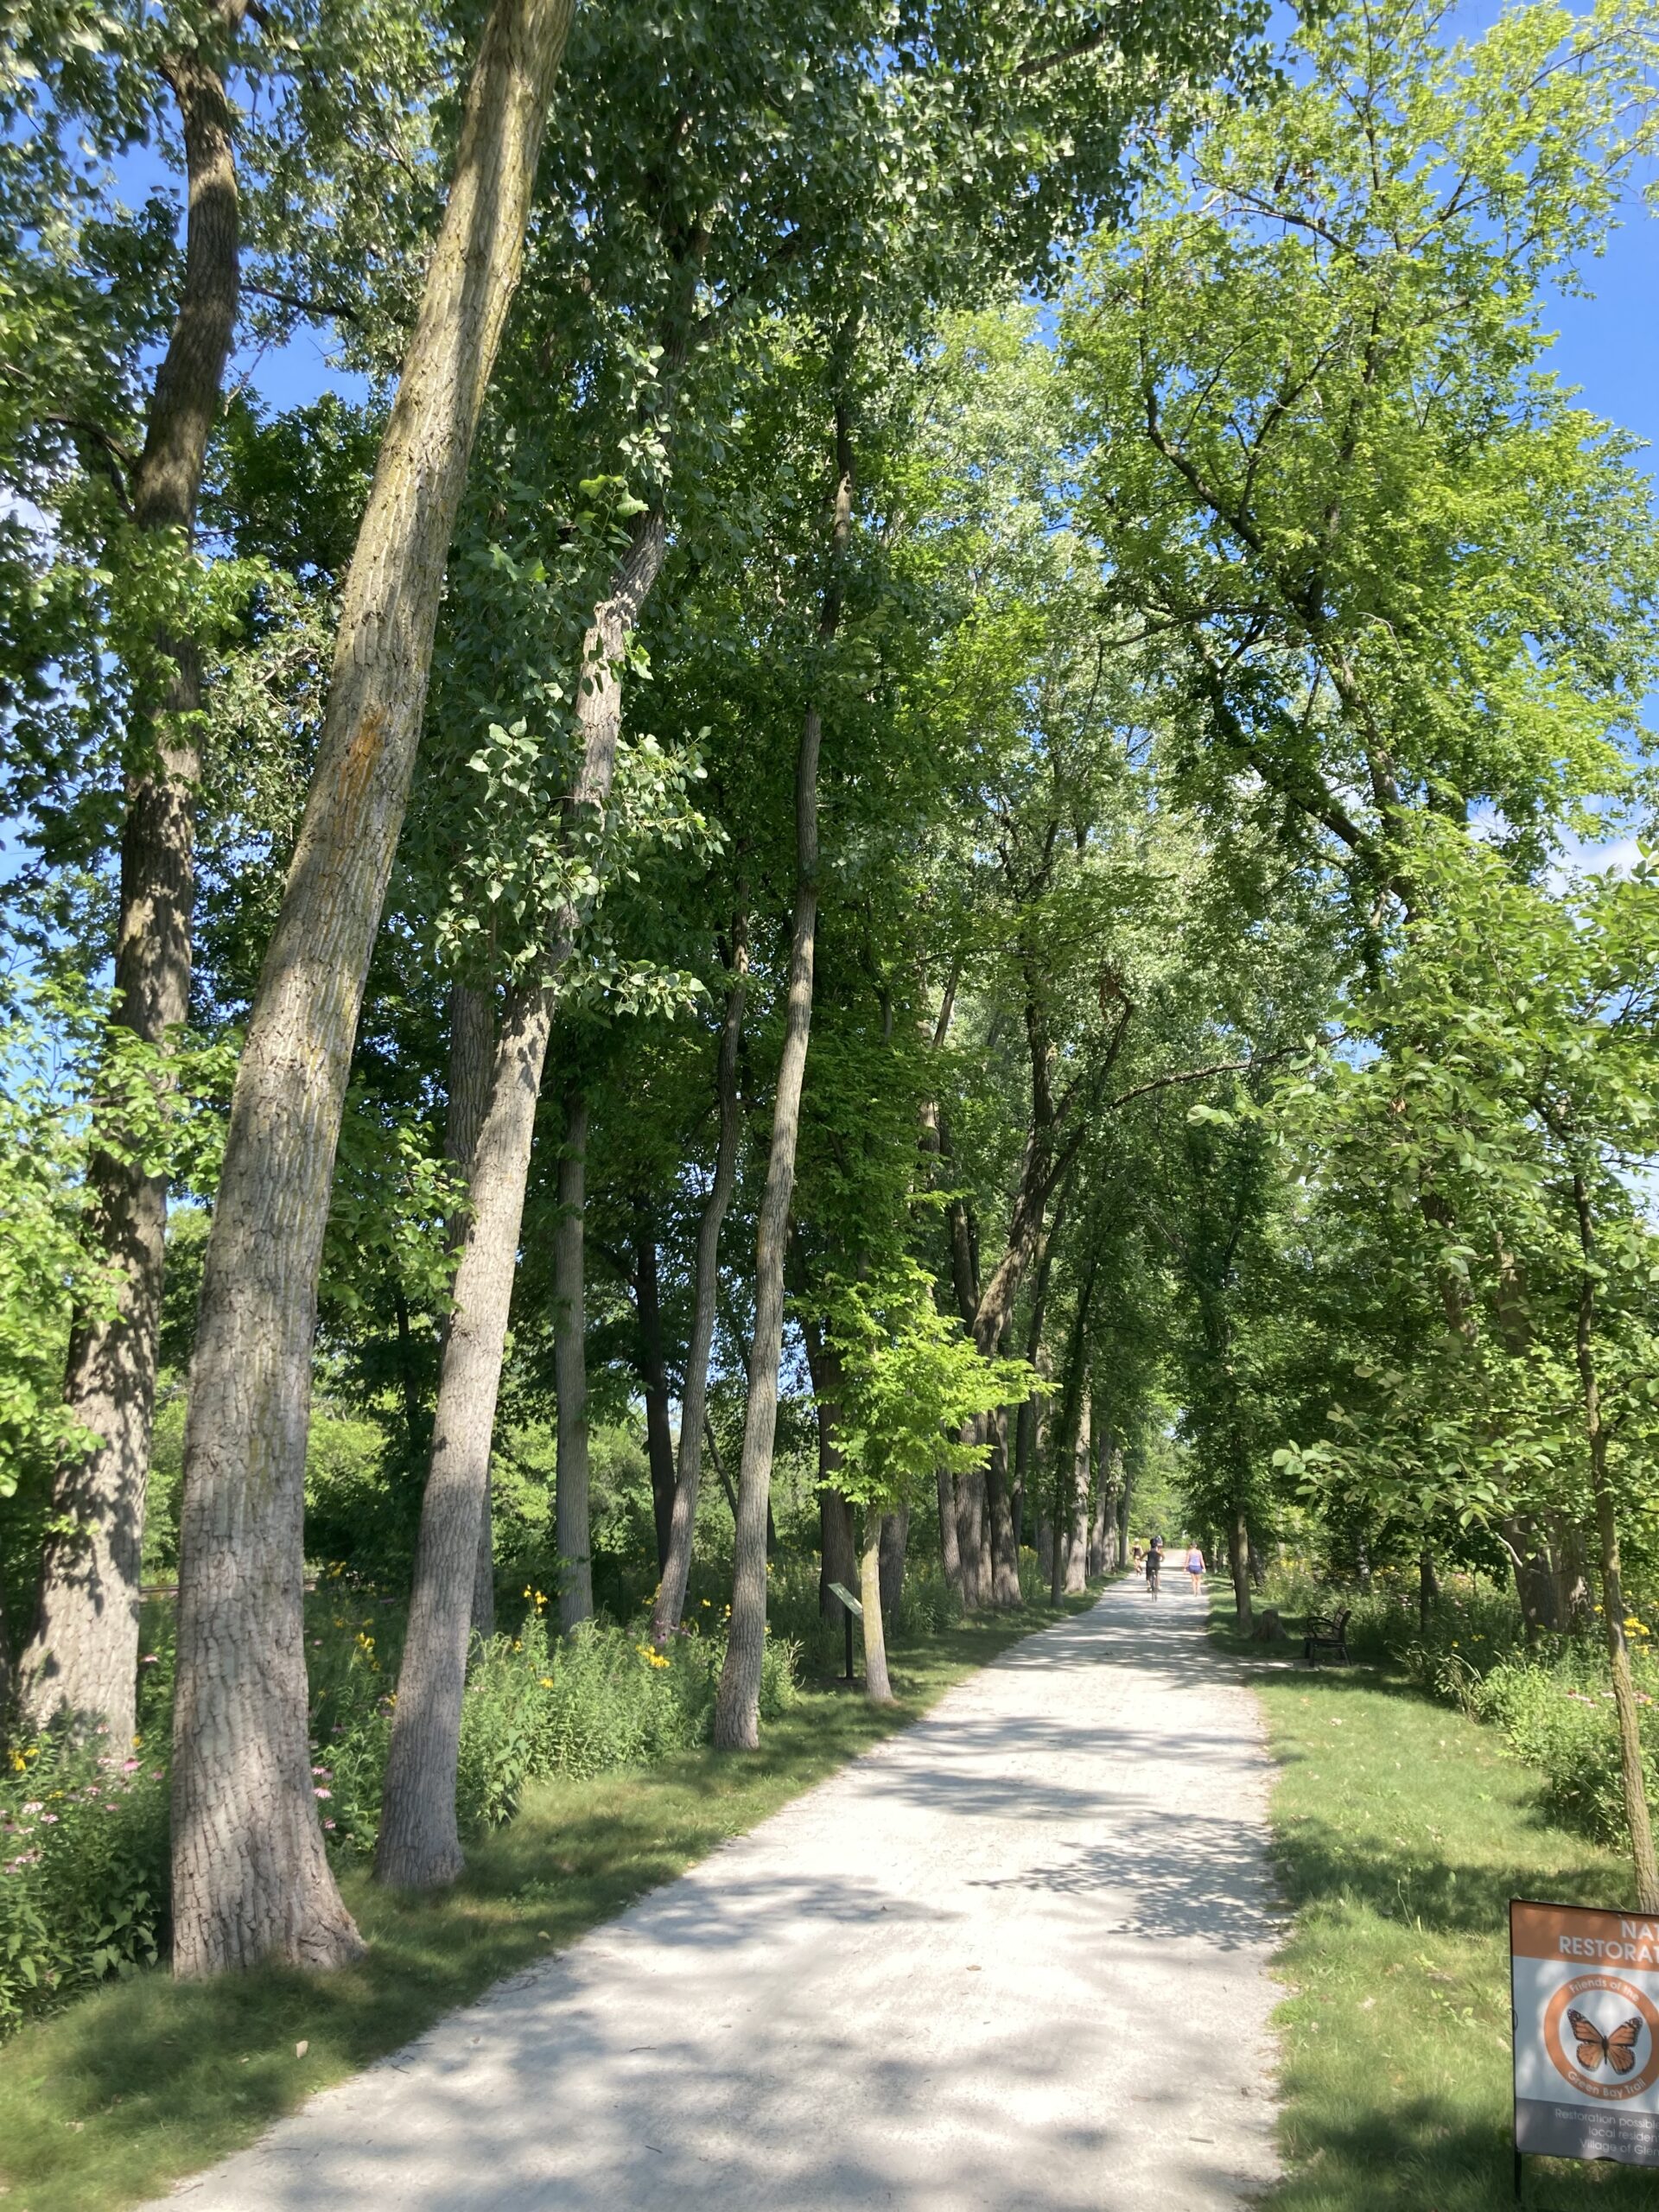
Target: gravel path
(1014, 1960)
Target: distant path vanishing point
(1013, 1960)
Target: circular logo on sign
(1602, 2034)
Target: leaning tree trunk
(419, 1845)
(251, 1877)
(419, 1811)
(877, 1688)
(79, 1667)
(1631, 1768)
(472, 1063)
(571, 1474)
(654, 1380)
(737, 1700)
(1076, 1550)
(670, 1595)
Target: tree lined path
(1014, 1958)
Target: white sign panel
(1584, 1986)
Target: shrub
(1559, 1718)
(83, 1873)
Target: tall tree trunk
(419, 1845)
(970, 1524)
(251, 1878)
(1238, 1564)
(1124, 1501)
(838, 1543)
(877, 1688)
(737, 1700)
(950, 1547)
(1004, 1554)
(571, 1474)
(1428, 1588)
(1632, 1776)
(671, 1594)
(653, 1378)
(472, 1063)
(895, 1539)
(79, 1667)
(1076, 1547)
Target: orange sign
(1585, 1987)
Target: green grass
(145, 2081)
(1400, 1831)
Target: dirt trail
(1014, 1960)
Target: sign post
(1584, 1985)
(849, 1605)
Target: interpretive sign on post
(849, 1605)
(1585, 1987)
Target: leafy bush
(83, 1873)
(1554, 1704)
(1559, 1717)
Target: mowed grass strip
(148, 2079)
(1401, 1832)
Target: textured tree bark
(1638, 1817)
(837, 1547)
(79, 1667)
(737, 1699)
(1123, 1514)
(1575, 1602)
(1428, 1588)
(1238, 1564)
(421, 1826)
(419, 1844)
(970, 1526)
(950, 1548)
(1076, 1548)
(1004, 1554)
(653, 1379)
(250, 1878)
(877, 1688)
(895, 1542)
(670, 1595)
(472, 1067)
(571, 1477)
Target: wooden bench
(1326, 1634)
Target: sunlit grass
(145, 2081)
(1401, 1830)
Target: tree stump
(1269, 1628)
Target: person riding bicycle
(1154, 1562)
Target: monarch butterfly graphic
(1616, 2049)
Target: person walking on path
(1154, 1562)
(1195, 1568)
